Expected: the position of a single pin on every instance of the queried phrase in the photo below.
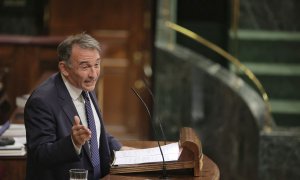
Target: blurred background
(245, 107)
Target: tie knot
(85, 96)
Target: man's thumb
(76, 120)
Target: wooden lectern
(190, 160)
(192, 163)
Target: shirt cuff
(78, 150)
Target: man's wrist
(77, 149)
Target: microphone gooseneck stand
(159, 120)
(164, 169)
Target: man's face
(84, 70)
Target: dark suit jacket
(49, 115)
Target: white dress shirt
(78, 101)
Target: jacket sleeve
(114, 144)
(43, 143)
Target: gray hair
(84, 41)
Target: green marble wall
(226, 113)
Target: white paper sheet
(15, 130)
(150, 155)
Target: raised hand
(80, 133)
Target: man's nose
(94, 72)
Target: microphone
(159, 120)
(164, 170)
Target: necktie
(93, 141)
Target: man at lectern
(64, 126)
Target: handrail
(227, 56)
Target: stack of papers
(16, 149)
(15, 130)
(149, 155)
(18, 132)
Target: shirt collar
(74, 91)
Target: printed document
(149, 155)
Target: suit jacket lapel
(67, 105)
(65, 99)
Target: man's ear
(63, 68)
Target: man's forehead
(85, 53)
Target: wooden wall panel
(91, 15)
(122, 27)
(12, 168)
(115, 17)
(26, 58)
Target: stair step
(245, 34)
(287, 120)
(282, 69)
(274, 58)
(267, 46)
(278, 86)
(269, 51)
(285, 106)
(286, 113)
